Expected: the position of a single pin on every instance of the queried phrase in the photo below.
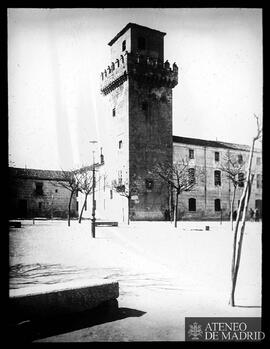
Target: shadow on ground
(29, 331)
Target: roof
(207, 143)
(36, 174)
(132, 25)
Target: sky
(55, 57)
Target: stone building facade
(37, 193)
(138, 86)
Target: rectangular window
(120, 144)
(241, 179)
(124, 45)
(40, 205)
(259, 181)
(113, 112)
(216, 156)
(217, 205)
(192, 204)
(149, 183)
(191, 153)
(191, 175)
(240, 158)
(217, 177)
(258, 161)
(39, 188)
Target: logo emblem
(195, 331)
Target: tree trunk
(240, 242)
(128, 209)
(83, 206)
(244, 198)
(232, 205)
(176, 209)
(69, 205)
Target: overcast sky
(55, 57)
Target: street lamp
(93, 225)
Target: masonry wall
(206, 191)
(25, 203)
(150, 139)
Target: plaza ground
(165, 274)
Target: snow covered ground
(168, 273)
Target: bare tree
(70, 181)
(233, 170)
(237, 248)
(181, 176)
(127, 190)
(85, 179)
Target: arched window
(141, 43)
(192, 204)
(191, 175)
(217, 204)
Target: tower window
(120, 144)
(192, 204)
(217, 177)
(39, 188)
(217, 204)
(259, 180)
(124, 45)
(241, 179)
(191, 153)
(141, 43)
(113, 112)
(149, 184)
(216, 156)
(240, 158)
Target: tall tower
(139, 85)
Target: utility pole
(93, 226)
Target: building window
(241, 179)
(124, 45)
(191, 153)
(113, 112)
(216, 156)
(120, 144)
(259, 180)
(56, 190)
(192, 204)
(40, 205)
(240, 158)
(141, 43)
(149, 184)
(217, 205)
(111, 194)
(39, 188)
(217, 177)
(258, 161)
(191, 175)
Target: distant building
(37, 193)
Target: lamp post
(93, 225)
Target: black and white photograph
(135, 174)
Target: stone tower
(139, 85)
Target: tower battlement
(142, 68)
